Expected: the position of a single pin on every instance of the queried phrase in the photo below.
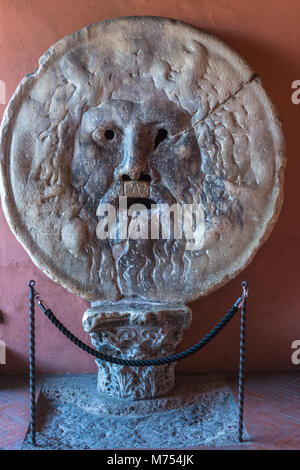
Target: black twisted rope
(242, 365)
(32, 361)
(146, 362)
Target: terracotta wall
(267, 33)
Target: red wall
(267, 34)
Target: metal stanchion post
(242, 361)
(32, 360)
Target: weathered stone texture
(137, 97)
(136, 331)
(200, 411)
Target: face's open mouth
(138, 191)
(143, 177)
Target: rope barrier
(147, 362)
(240, 303)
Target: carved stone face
(120, 140)
(152, 145)
(144, 108)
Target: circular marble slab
(149, 106)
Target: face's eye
(102, 136)
(161, 135)
(109, 134)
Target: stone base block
(199, 411)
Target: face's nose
(134, 156)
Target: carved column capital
(136, 331)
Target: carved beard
(147, 263)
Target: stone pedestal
(136, 331)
